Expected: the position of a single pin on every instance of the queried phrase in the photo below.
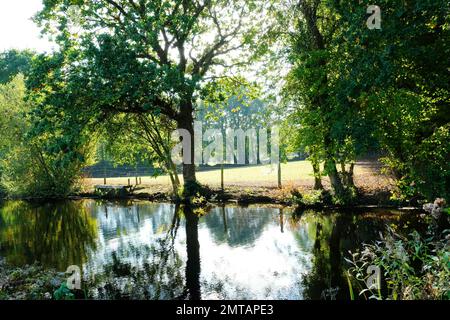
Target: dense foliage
(30, 164)
(354, 89)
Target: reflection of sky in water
(253, 253)
(126, 230)
(268, 267)
(244, 255)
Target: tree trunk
(335, 180)
(173, 174)
(175, 183)
(344, 176)
(347, 176)
(350, 182)
(317, 175)
(186, 122)
(343, 167)
(330, 166)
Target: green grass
(297, 172)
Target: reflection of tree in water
(320, 229)
(57, 235)
(161, 276)
(121, 218)
(193, 255)
(334, 236)
(237, 226)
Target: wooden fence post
(279, 175)
(221, 178)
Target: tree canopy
(140, 57)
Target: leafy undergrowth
(32, 282)
(412, 268)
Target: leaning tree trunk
(173, 174)
(175, 182)
(155, 137)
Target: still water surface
(161, 251)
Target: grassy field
(298, 173)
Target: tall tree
(360, 87)
(141, 57)
(398, 78)
(310, 80)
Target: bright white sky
(17, 31)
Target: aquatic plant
(63, 293)
(413, 267)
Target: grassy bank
(259, 184)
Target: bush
(314, 198)
(35, 163)
(28, 172)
